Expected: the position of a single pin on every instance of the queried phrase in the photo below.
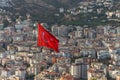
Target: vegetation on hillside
(48, 11)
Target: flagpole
(36, 54)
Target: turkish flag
(46, 39)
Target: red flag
(46, 39)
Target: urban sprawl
(85, 53)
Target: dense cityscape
(89, 46)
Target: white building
(5, 72)
(2, 53)
(79, 70)
(20, 72)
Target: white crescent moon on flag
(43, 37)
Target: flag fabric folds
(46, 39)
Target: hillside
(48, 11)
(41, 10)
